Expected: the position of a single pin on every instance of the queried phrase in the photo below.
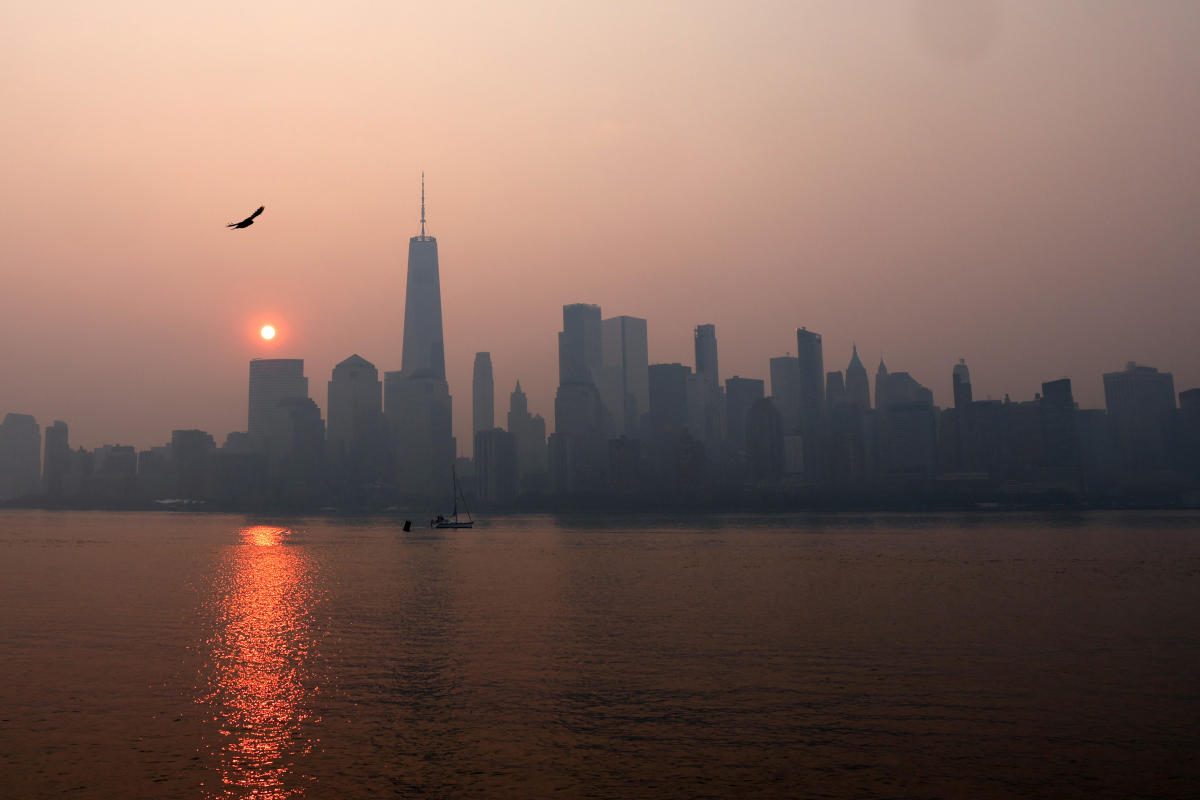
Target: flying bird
(248, 221)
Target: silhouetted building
(417, 402)
(495, 466)
(56, 464)
(740, 395)
(706, 353)
(579, 344)
(424, 353)
(20, 456)
(357, 439)
(190, 450)
(1187, 432)
(858, 389)
(271, 381)
(812, 402)
(483, 394)
(529, 435)
(1140, 402)
(667, 423)
(298, 462)
(835, 389)
(1060, 434)
(961, 382)
(881, 374)
(764, 441)
(114, 473)
(624, 361)
(785, 391)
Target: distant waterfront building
(706, 353)
(858, 388)
(272, 380)
(835, 389)
(785, 391)
(483, 394)
(578, 448)
(961, 381)
(579, 344)
(764, 441)
(740, 395)
(417, 402)
(881, 374)
(529, 435)
(625, 364)
(812, 402)
(56, 463)
(20, 456)
(190, 451)
(355, 430)
(495, 465)
(1140, 402)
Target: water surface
(178, 655)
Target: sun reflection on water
(259, 679)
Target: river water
(164, 655)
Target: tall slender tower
(416, 400)
(424, 352)
(483, 394)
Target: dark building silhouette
(20, 456)
(706, 400)
(495, 462)
(812, 403)
(483, 394)
(579, 344)
(1140, 402)
(881, 374)
(740, 395)
(764, 441)
(190, 451)
(417, 402)
(671, 445)
(1187, 433)
(357, 439)
(56, 463)
(579, 445)
(529, 436)
(272, 380)
(624, 381)
(858, 388)
(835, 389)
(785, 391)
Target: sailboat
(453, 521)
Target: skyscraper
(356, 433)
(579, 344)
(740, 395)
(20, 456)
(57, 461)
(483, 397)
(858, 388)
(961, 380)
(271, 381)
(1141, 402)
(625, 363)
(417, 402)
(529, 431)
(812, 370)
(706, 353)
(424, 349)
(785, 391)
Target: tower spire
(422, 204)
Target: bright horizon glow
(267, 332)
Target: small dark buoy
(407, 525)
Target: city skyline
(972, 180)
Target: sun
(267, 332)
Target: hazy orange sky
(1016, 183)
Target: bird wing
(256, 213)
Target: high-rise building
(706, 353)
(20, 456)
(57, 461)
(1141, 402)
(835, 389)
(483, 394)
(271, 381)
(812, 370)
(190, 451)
(881, 374)
(625, 364)
(785, 391)
(355, 424)
(579, 344)
(961, 380)
(417, 402)
(858, 389)
(740, 395)
(424, 352)
(812, 402)
(529, 433)
(495, 465)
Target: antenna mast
(422, 204)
